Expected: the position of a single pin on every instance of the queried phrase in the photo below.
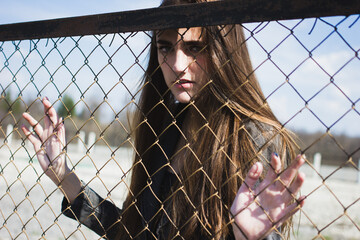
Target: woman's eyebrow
(194, 42)
(163, 42)
(199, 43)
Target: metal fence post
(91, 139)
(317, 165)
(28, 143)
(81, 141)
(9, 130)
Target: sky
(304, 99)
(24, 10)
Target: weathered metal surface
(190, 15)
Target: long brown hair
(217, 162)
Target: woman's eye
(164, 49)
(196, 49)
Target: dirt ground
(30, 203)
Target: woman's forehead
(187, 34)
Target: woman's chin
(183, 97)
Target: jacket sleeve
(101, 216)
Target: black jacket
(100, 215)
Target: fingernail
(275, 154)
(302, 198)
(256, 169)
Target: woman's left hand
(257, 211)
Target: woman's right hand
(49, 144)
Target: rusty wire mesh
(308, 70)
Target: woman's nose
(181, 62)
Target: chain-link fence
(308, 70)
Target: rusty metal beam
(189, 15)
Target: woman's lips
(183, 83)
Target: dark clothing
(100, 215)
(94, 212)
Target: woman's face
(183, 61)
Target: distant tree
(93, 109)
(335, 149)
(4, 105)
(8, 104)
(67, 107)
(11, 107)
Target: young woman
(203, 134)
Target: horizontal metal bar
(189, 15)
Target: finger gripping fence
(166, 120)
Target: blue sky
(334, 57)
(25, 10)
